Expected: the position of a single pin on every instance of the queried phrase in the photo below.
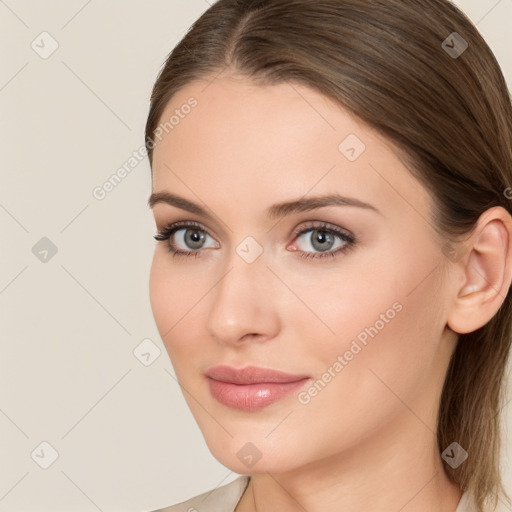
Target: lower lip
(250, 397)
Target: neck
(398, 469)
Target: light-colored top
(226, 498)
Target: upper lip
(250, 375)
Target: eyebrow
(275, 211)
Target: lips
(252, 387)
(251, 375)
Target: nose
(243, 303)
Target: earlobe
(486, 269)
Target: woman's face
(347, 294)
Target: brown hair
(450, 115)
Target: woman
(331, 190)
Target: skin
(367, 440)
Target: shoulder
(220, 499)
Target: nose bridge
(241, 301)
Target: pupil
(321, 238)
(194, 239)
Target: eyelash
(350, 241)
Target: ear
(485, 271)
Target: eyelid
(171, 229)
(322, 225)
(301, 229)
(182, 224)
(162, 216)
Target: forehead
(278, 141)
(233, 107)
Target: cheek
(168, 297)
(160, 299)
(393, 298)
(175, 298)
(173, 290)
(385, 344)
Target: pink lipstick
(251, 388)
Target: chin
(251, 454)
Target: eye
(188, 238)
(322, 237)
(185, 238)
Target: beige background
(69, 326)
